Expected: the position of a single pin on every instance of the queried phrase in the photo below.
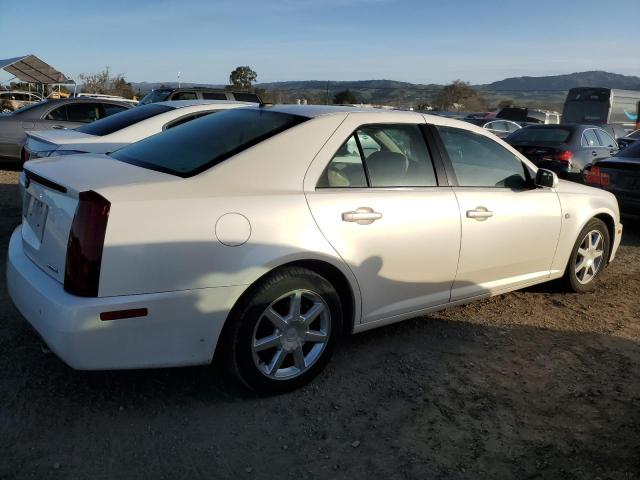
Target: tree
(242, 78)
(104, 83)
(345, 97)
(459, 95)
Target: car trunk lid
(50, 190)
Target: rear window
(632, 151)
(515, 114)
(246, 97)
(540, 136)
(191, 148)
(121, 120)
(155, 96)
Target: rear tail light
(86, 241)
(25, 154)
(594, 176)
(565, 156)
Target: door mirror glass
(546, 178)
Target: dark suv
(196, 93)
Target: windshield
(27, 107)
(121, 120)
(200, 144)
(540, 136)
(155, 96)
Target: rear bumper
(181, 328)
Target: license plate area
(35, 213)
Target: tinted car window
(536, 117)
(632, 151)
(513, 113)
(589, 138)
(122, 120)
(155, 96)
(110, 109)
(214, 96)
(83, 112)
(198, 145)
(345, 170)
(58, 114)
(246, 97)
(185, 96)
(606, 139)
(479, 161)
(540, 136)
(185, 119)
(402, 159)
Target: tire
(585, 279)
(270, 353)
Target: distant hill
(548, 92)
(565, 82)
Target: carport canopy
(31, 69)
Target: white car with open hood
(116, 131)
(265, 233)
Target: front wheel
(588, 257)
(283, 332)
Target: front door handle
(479, 213)
(361, 216)
(59, 127)
(594, 153)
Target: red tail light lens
(86, 241)
(25, 154)
(565, 156)
(595, 176)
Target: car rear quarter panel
(163, 237)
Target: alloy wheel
(589, 256)
(291, 334)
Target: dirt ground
(530, 385)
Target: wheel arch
(611, 228)
(348, 293)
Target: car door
(509, 228)
(595, 150)
(608, 144)
(379, 204)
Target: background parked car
(52, 114)
(11, 101)
(500, 128)
(116, 131)
(197, 93)
(525, 115)
(619, 175)
(565, 149)
(627, 140)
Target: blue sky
(418, 41)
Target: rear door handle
(479, 213)
(361, 216)
(594, 153)
(58, 127)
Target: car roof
(311, 111)
(191, 103)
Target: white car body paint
(163, 250)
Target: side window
(396, 156)
(606, 140)
(58, 114)
(214, 96)
(185, 96)
(479, 161)
(110, 109)
(345, 170)
(589, 138)
(83, 112)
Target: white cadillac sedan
(120, 129)
(266, 233)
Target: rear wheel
(284, 331)
(588, 257)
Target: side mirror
(546, 178)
